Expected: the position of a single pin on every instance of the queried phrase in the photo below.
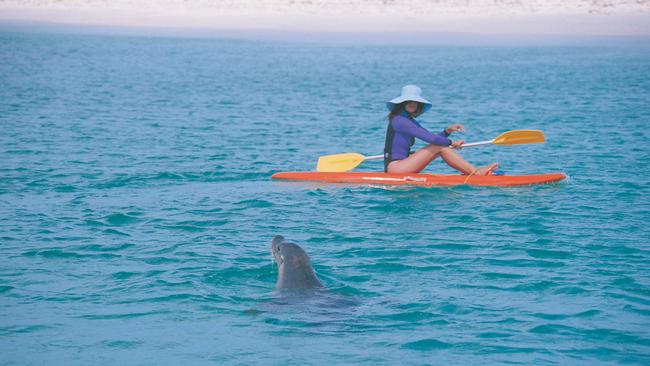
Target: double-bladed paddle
(349, 161)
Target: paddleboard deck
(426, 180)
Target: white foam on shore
(517, 17)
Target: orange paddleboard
(426, 180)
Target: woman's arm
(404, 125)
(453, 128)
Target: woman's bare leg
(421, 158)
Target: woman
(403, 129)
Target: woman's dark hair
(399, 108)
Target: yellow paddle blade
(516, 137)
(339, 162)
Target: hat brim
(401, 99)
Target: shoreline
(529, 17)
(421, 38)
(471, 25)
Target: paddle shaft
(377, 157)
(348, 161)
(374, 157)
(486, 142)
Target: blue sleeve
(404, 125)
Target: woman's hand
(458, 144)
(453, 128)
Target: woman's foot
(486, 170)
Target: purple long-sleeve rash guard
(405, 130)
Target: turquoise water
(137, 206)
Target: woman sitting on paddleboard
(403, 129)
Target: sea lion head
(294, 266)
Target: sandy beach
(515, 17)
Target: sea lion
(294, 267)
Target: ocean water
(137, 207)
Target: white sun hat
(410, 93)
